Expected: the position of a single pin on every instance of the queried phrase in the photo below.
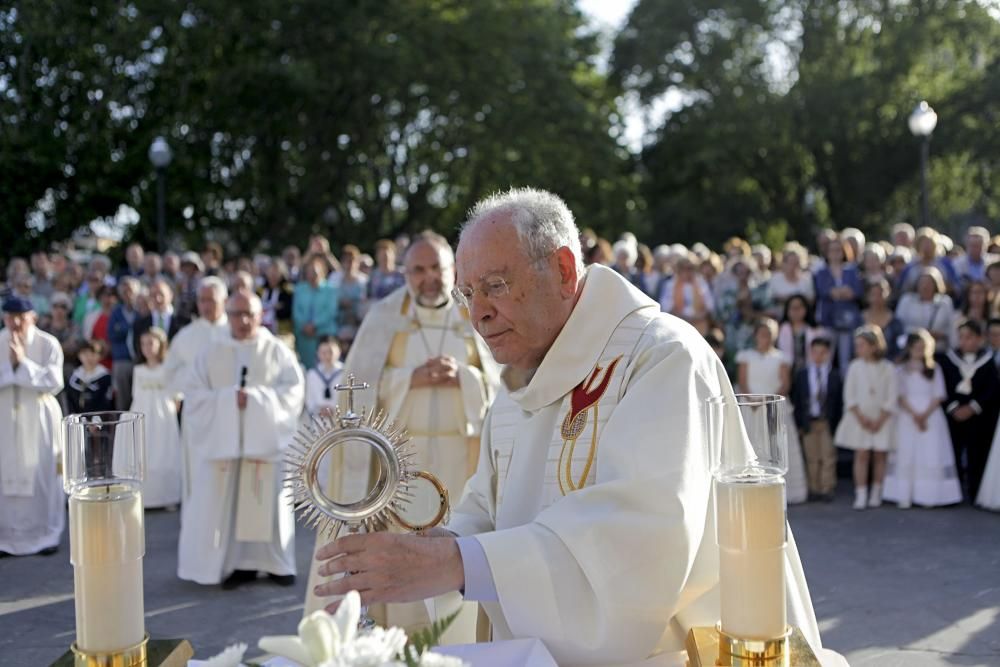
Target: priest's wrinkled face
(430, 272)
(244, 311)
(517, 303)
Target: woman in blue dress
(838, 298)
(314, 309)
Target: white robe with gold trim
(603, 545)
(32, 502)
(231, 448)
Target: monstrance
(390, 493)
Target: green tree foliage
(793, 113)
(354, 119)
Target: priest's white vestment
(239, 514)
(32, 502)
(179, 365)
(444, 423)
(593, 495)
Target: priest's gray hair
(544, 223)
(216, 285)
(256, 306)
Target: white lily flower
(347, 617)
(322, 637)
(334, 641)
(232, 656)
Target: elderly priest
(588, 523)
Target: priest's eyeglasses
(493, 287)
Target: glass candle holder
(103, 465)
(748, 443)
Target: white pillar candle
(106, 548)
(751, 535)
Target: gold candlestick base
(133, 656)
(159, 653)
(710, 647)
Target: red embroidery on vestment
(584, 397)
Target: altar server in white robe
(32, 504)
(432, 374)
(242, 406)
(588, 523)
(211, 325)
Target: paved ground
(919, 588)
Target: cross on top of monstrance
(351, 418)
(387, 443)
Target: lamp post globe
(923, 119)
(160, 156)
(922, 122)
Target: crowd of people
(888, 348)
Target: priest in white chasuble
(32, 503)
(210, 325)
(432, 374)
(589, 522)
(242, 406)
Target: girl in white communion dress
(150, 396)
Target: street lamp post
(161, 155)
(922, 122)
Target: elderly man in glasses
(428, 370)
(588, 522)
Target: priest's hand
(421, 377)
(390, 567)
(16, 350)
(444, 369)
(241, 398)
(435, 372)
